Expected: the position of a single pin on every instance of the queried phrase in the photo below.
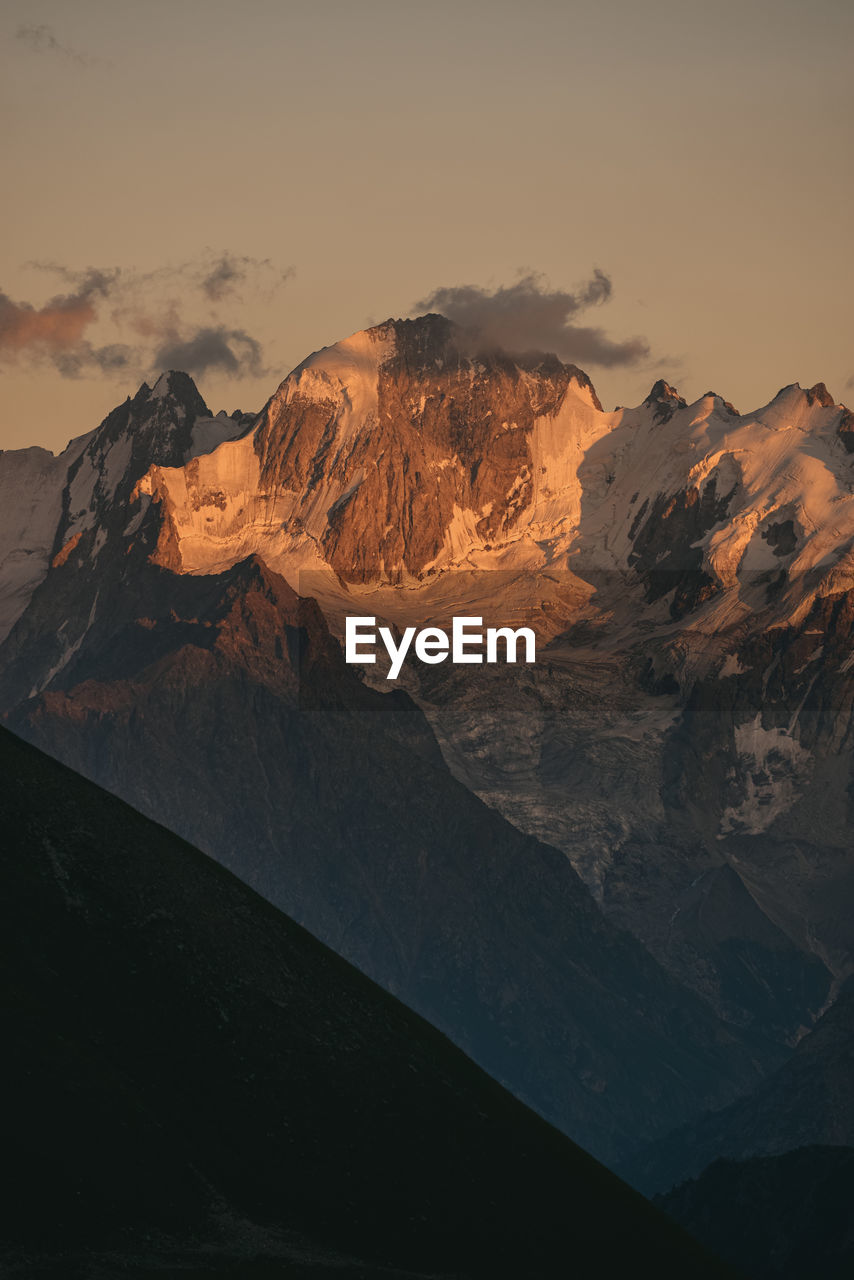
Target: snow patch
(772, 765)
(209, 433)
(731, 667)
(67, 653)
(31, 485)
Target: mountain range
(618, 878)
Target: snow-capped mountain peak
(402, 452)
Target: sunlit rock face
(389, 456)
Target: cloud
(214, 276)
(89, 281)
(117, 322)
(113, 358)
(224, 276)
(56, 332)
(58, 324)
(212, 349)
(56, 329)
(529, 316)
(40, 38)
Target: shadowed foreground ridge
(195, 1085)
(806, 1103)
(221, 706)
(784, 1217)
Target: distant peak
(662, 390)
(173, 384)
(726, 404)
(819, 394)
(790, 389)
(665, 400)
(158, 418)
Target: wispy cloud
(531, 316)
(227, 273)
(40, 38)
(115, 322)
(57, 328)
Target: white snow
(731, 667)
(346, 374)
(209, 433)
(68, 652)
(31, 484)
(114, 464)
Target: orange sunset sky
(652, 189)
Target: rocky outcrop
(441, 436)
(667, 551)
(664, 400)
(845, 430)
(819, 394)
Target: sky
(653, 189)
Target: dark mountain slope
(180, 1061)
(809, 1101)
(221, 706)
(777, 1217)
